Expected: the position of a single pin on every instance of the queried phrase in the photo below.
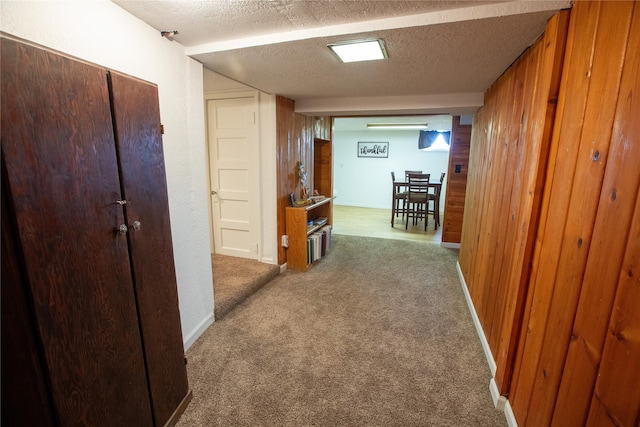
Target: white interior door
(234, 163)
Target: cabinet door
(62, 176)
(25, 398)
(139, 140)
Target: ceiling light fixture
(403, 126)
(359, 50)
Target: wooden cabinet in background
(323, 169)
(299, 229)
(89, 294)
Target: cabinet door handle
(121, 202)
(123, 229)
(136, 225)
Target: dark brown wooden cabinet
(89, 299)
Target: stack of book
(316, 223)
(318, 243)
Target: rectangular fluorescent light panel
(359, 50)
(397, 125)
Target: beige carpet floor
(235, 279)
(376, 334)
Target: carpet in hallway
(376, 334)
(235, 279)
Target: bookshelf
(299, 231)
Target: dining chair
(418, 198)
(398, 203)
(406, 174)
(435, 198)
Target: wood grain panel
(323, 127)
(541, 88)
(287, 158)
(295, 136)
(573, 199)
(508, 159)
(144, 185)
(605, 259)
(25, 397)
(323, 169)
(616, 399)
(456, 181)
(61, 172)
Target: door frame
(257, 214)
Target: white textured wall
(100, 32)
(366, 182)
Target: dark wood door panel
(139, 139)
(25, 397)
(61, 172)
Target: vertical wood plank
(294, 144)
(579, 212)
(616, 401)
(610, 237)
(554, 208)
(511, 175)
(287, 157)
(456, 181)
(509, 151)
(542, 87)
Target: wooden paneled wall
(456, 181)
(509, 151)
(579, 361)
(323, 127)
(564, 331)
(294, 134)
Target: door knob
(123, 229)
(136, 225)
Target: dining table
(403, 186)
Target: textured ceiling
(438, 48)
(201, 22)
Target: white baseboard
(476, 323)
(450, 245)
(283, 267)
(498, 401)
(197, 331)
(508, 414)
(267, 260)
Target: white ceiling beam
(460, 103)
(516, 7)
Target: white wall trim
(267, 260)
(508, 414)
(476, 322)
(197, 331)
(450, 245)
(230, 94)
(498, 401)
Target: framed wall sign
(373, 149)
